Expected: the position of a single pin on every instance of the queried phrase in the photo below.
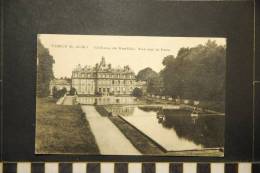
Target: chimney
(103, 61)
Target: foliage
(155, 85)
(44, 70)
(137, 92)
(146, 74)
(54, 92)
(154, 81)
(73, 91)
(196, 73)
(59, 93)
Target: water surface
(176, 130)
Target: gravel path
(109, 138)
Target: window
(113, 82)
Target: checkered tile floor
(109, 167)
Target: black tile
(121, 168)
(148, 168)
(231, 168)
(256, 168)
(203, 168)
(65, 167)
(37, 168)
(9, 167)
(176, 168)
(93, 168)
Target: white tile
(79, 167)
(189, 167)
(217, 168)
(134, 168)
(244, 167)
(107, 167)
(162, 167)
(23, 167)
(51, 168)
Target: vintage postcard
(130, 95)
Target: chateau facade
(104, 80)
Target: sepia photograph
(130, 95)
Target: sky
(138, 52)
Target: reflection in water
(176, 130)
(120, 110)
(106, 100)
(207, 130)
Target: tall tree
(153, 79)
(196, 73)
(146, 74)
(44, 69)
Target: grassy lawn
(62, 129)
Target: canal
(175, 130)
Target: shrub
(137, 92)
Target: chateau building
(104, 80)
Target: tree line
(44, 70)
(195, 73)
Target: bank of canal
(109, 138)
(139, 140)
